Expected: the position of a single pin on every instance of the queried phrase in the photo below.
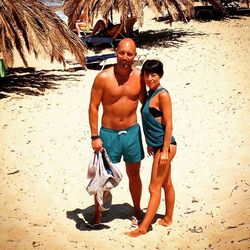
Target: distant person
(118, 89)
(82, 23)
(157, 126)
(107, 28)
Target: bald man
(118, 89)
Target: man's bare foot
(165, 222)
(135, 233)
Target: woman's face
(152, 80)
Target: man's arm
(95, 100)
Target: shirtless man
(118, 89)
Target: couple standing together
(119, 89)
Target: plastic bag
(103, 176)
(92, 166)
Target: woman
(107, 28)
(157, 126)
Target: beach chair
(97, 40)
(85, 31)
(104, 60)
(100, 60)
(106, 40)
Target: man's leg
(98, 213)
(135, 186)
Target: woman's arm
(166, 107)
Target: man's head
(126, 52)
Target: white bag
(103, 176)
(92, 166)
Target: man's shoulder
(106, 73)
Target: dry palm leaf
(177, 9)
(30, 24)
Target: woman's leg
(99, 26)
(157, 178)
(169, 192)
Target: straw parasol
(30, 24)
(177, 9)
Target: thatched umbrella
(177, 9)
(30, 24)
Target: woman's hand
(163, 158)
(150, 150)
(97, 145)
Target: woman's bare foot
(135, 233)
(165, 222)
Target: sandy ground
(45, 148)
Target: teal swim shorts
(126, 143)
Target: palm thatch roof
(30, 24)
(177, 9)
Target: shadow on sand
(83, 217)
(28, 81)
(164, 38)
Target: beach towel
(103, 177)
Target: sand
(45, 148)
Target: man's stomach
(118, 120)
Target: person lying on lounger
(82, 23)
(107, 28)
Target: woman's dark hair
(152, 66)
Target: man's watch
(94, 137)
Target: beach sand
(45, 148)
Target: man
(118, 89)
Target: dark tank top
(154, 131)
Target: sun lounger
(97, 40)
(104, 60)
(100, 60)
(101, 40)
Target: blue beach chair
(100, 60)
(98, 40)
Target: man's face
(125, 53)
